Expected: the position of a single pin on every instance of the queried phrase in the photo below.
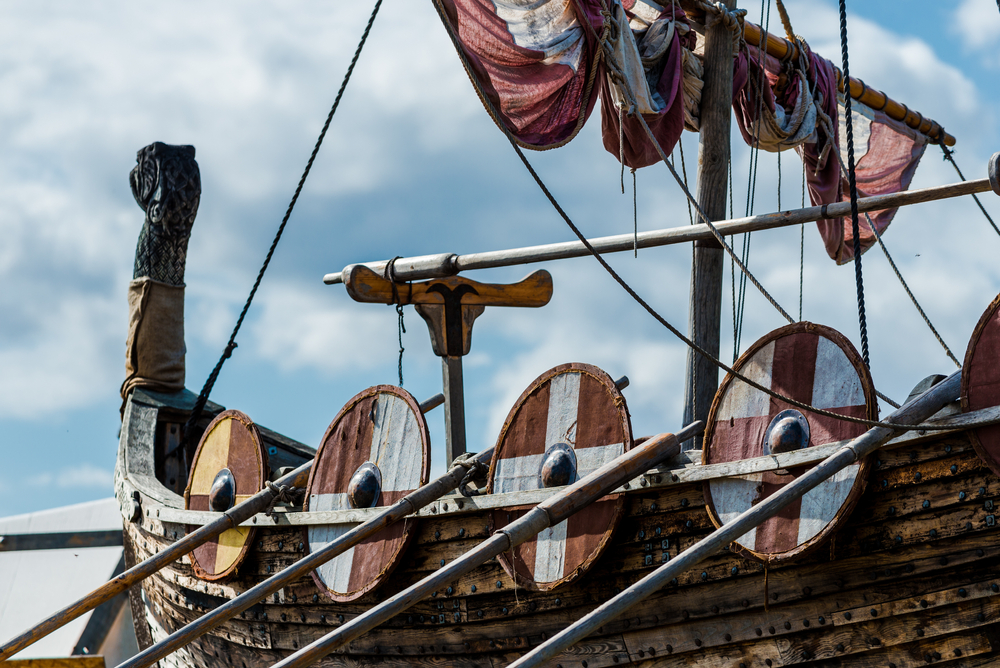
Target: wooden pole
(550, 512)
(916, 411)
(449, 264)
(454, 407)
(406, 506)
(704, 322)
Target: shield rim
(970, 352)
(860, 480)
(408, 528)
(629, 442)
(263, 467)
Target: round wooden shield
(569, 422)
(981, 382)
(230, 466)
(376, 451)
(819, 367)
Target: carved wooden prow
(450, 307)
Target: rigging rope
(206, 389)
(628, 288)
(949, 155)
(853, 185)
(802, 243)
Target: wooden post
(454, 407)
(704, 322)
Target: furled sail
(798, 106)
(542, 62)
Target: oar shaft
(449, 264)
(915, 411)
(231, 518)
(550, 512)
(397, 511)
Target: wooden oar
(913, 412)
(408, 505)
(548, 513)
(229, 519)
(232, 518)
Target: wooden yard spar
(449, 264)
(915, 411)
(550, 512)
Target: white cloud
(79, 476)
(977, 24)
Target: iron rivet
(473, 589)
(947, 449)
(704, 575)
(840, 647)
(728, 637)
(697, 642)
(670, 649)
(892, 510)
(961, 496)
(340, 618)
(302, 617)
(642, 534)
(688, 524)
(652, 506)
(449, 591)
(734, 570)
(847, 616)
(788, 626)
(442, 562)
(963, 593)
(480, 614)
(917, 476)
(874, 612)
(322, 619)
(315, 598)
(558, 601)
(461, 533)
(822, 621)
(920, 633)
(504, 611)
(968, 526)
(758, 632)
(434, 594)
(805, 623)
(954, 469)
(899, 539)
(994, 588)
(715, 609)
(923, 603)
(437, 534)
(885, 483)
(281, 544)
(981, 617)
(768, 662)
(499, 584)
(933, 533)
(770, 629)
(684, 503)
(926, 504)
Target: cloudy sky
(412, 165)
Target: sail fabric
(770, 119)
(536, 61)
(651, 61)
(886, 155)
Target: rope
(477, 469)
(787, 23)
(902, 281)
(390, 275)
(802, 243)
(949, 155)
(858, 279)
(199, 405)
(645, 305)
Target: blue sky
(412, 165)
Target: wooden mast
(704, 322)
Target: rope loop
(477, 470)
(283, 494)
(733, 19)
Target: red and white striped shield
(229, 466)
(578, 405)
(382, 426)
(981, 382)
(819, 367)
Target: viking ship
(785, 523)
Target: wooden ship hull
(910, 578)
